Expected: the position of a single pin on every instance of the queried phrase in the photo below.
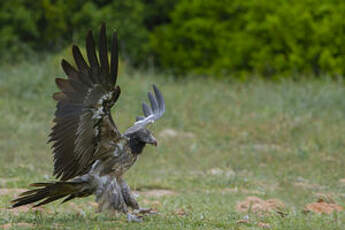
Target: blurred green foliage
(217, 38)
(257, 36)
(53, 24)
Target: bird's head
(145, 136)
(139, 139)
(139, 134)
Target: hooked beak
(153, 141)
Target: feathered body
(90, 154)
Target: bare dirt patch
(326, 197)
(323, 207)
(17, 226)
(180, 212)
(243, 221)
(11, 191)
(23, 209)
(261, 207)
(342, 181)
(264, 225)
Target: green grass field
(218, 144)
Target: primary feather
(85, 100)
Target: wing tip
(75, 47)
(64, 64)
(89, 39)
(103, 26)
(103, 33)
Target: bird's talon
(134, 218)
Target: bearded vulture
(90, 154)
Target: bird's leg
(122, 205)
(127, 194)
(110, 197)
(130, 199)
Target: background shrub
(232, 38)
(256, 36)
(52, 24)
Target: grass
(272, 140)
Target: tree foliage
(256, 36)
(52, 24)
(202, 37)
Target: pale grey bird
(90, 154)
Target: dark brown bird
(90, 154)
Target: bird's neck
(136, 146)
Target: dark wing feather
(84, 102)
(79, 60)
(103, 51)
(114, 59)
(91, 51)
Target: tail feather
(49, 192)
(29, 192)
(50, 199)
(70, 197)
(41, 184)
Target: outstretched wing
(83, 116)
(151, 114)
